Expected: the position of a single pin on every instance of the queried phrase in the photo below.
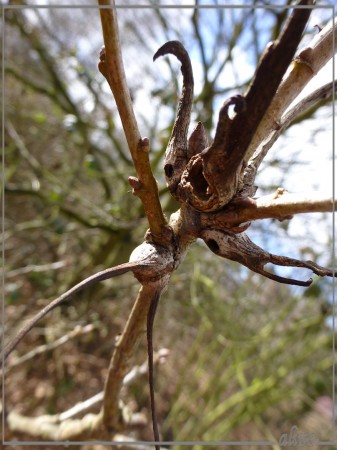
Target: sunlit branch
(112, 67)
(318, 95)
(280, 205)
(304, 67)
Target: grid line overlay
(334, 305)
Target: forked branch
(213, 177)
(239, 248)
(206, 180)
(305, 66)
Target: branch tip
(175, 48)
(177, 148)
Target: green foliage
(40, 117)
(257, 351)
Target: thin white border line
(334, 306)
(147, 443)
(137, 6)
(138, 443)
(3, 212)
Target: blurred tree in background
(248, 358)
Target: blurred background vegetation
(249, 358)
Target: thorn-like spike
(197, 142)
(175, 48)
(176, 152)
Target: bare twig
(124, 348)
(89, 427)
(320, 94)
(47, 427)
(77, 331)
(36, 268)
(113, 69)
(130, 377)
(103, 275)
(111, 66)
(153, 264)
(239, 248)
(304, 67)
(280, 205)
(81, 407)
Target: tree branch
(63, 426)
(304, 67)
(154, 261)
(103, 275)
(239, 248)
(47, 427)
(124, 349)
(280, 205)
(212, 178)
(270, 71)
(111, 66)
(318, 95)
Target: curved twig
(149, 333)
(239, 248)
(176, 152)
(100, 276)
